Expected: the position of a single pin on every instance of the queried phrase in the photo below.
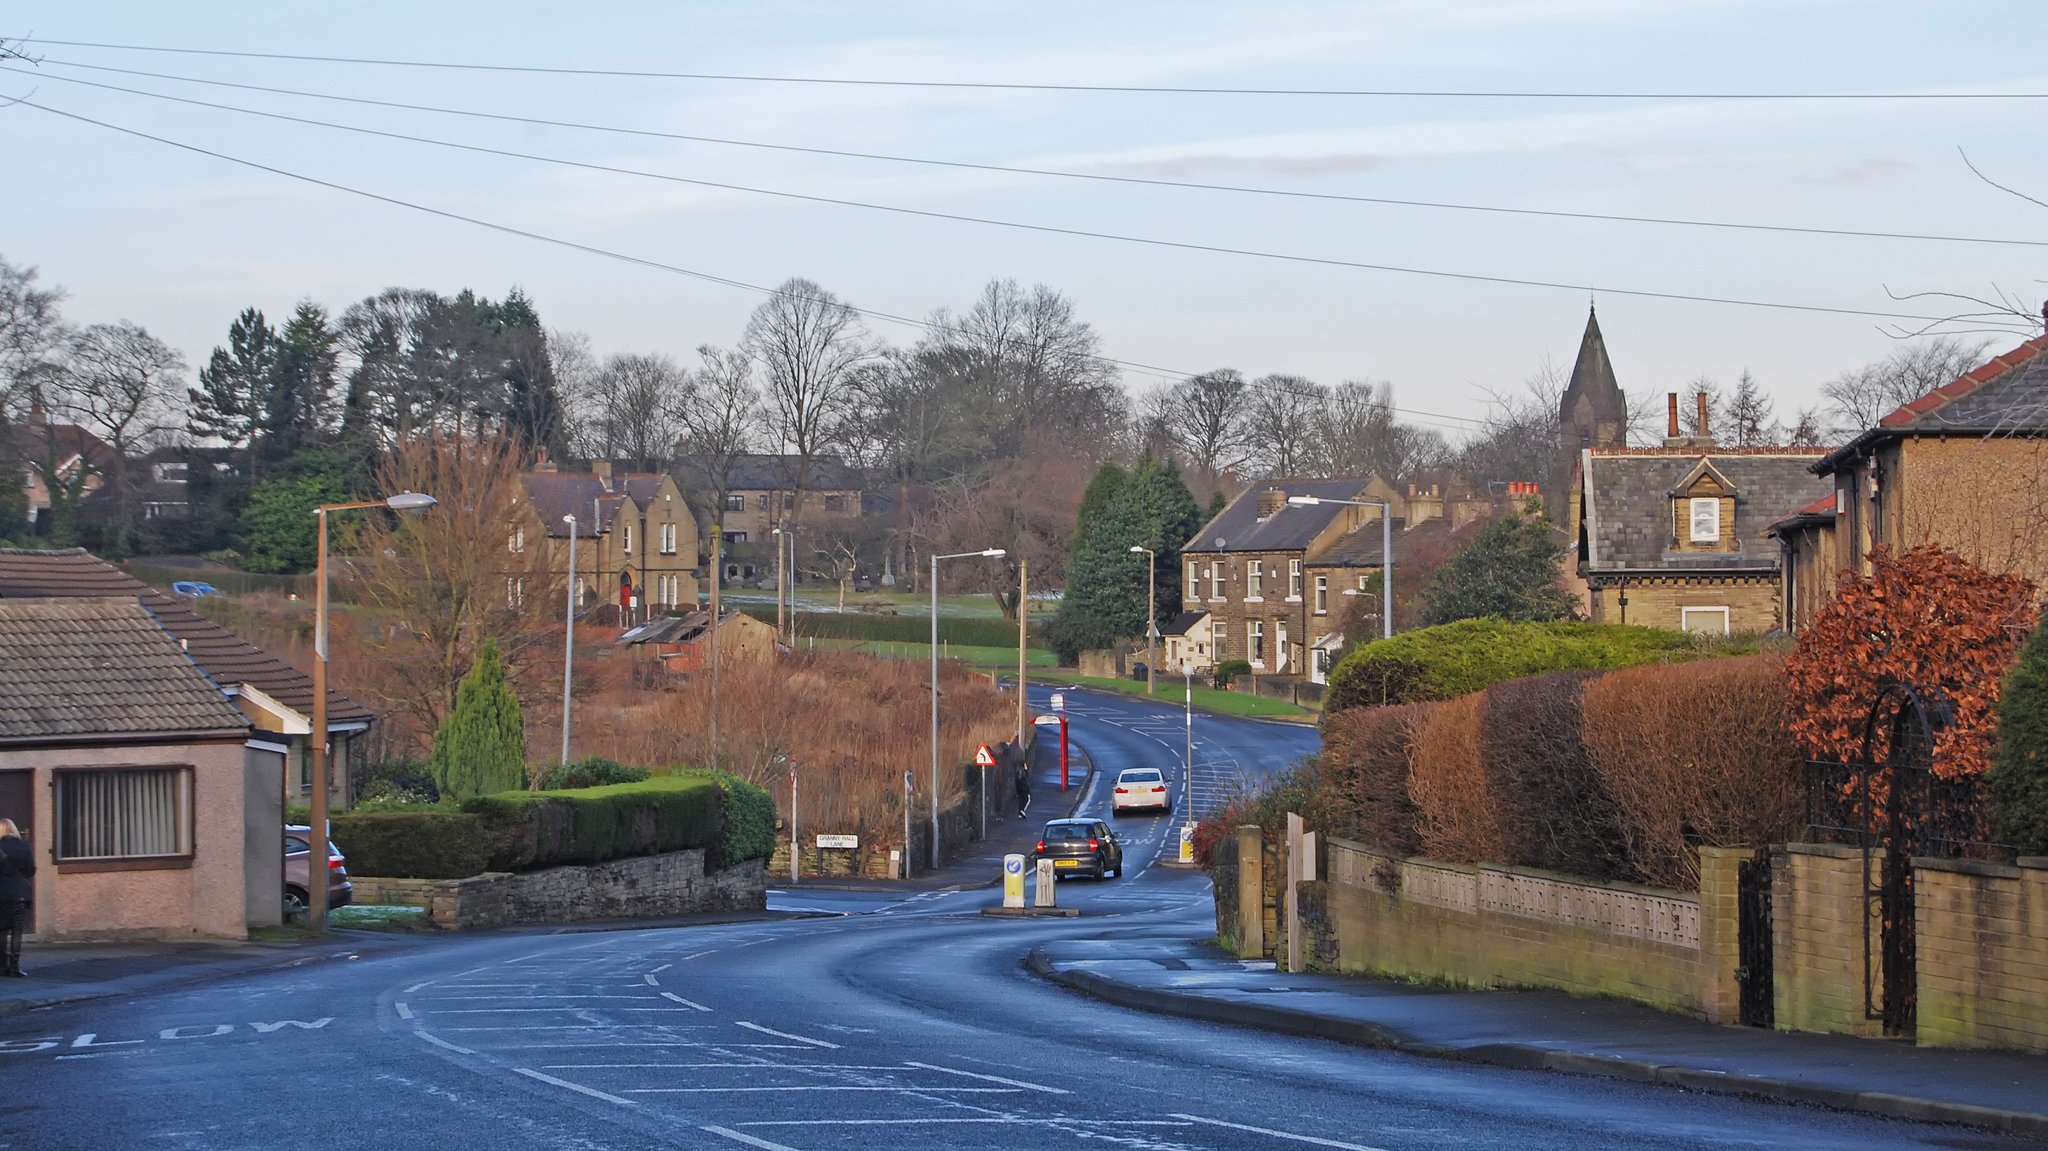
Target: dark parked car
(298, 853)
(1081, 847)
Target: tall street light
(316, 882)
(1151, 615)
(569, 639)
(988, 553)
(1386, 551)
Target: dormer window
(1705, 516)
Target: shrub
(749, 831)
(1227, 672)
(2017, 785)
(1471, 655)
(534, 829)
(481, 746)
(413, 844)
(596, 771)
(1695, 754)
(1298, 789)
(1555, 812)
(1458, 818)
(1365, 773)
(399, 781)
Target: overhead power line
(1050, 229)
(992, 85)
(1011, 169)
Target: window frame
(1194, 580)
(1254, 580)
(1294, 579)
(735, 501)
(1696, 505)
(1322, 603)
(184, 816)
(1684, 613)
(1219, 638)
(1216, 590)
(626, 536)
(1255, 642)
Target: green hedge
(534, 829)
(749, 821)
(594, 771)
(1471, 655)
(903, 628)
(413, 844)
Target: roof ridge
(1964, 384)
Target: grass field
(1206, 698)
(999, 657)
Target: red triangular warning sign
(984, 757)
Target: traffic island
(1061, 912)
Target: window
(1712, 620)
(1255, 642)
(515, 592)
(835, 503)
(517, 543)
(130, 813)
(1322, 595)
(761, 503)
(735, 502)
(1294, 579)
(1219, 638)
(668, 539)
(1254, 579)
(1706, 520)
(788, 501)
(172, 473)
(1194, 580)
(1216, 579)
(626, 537)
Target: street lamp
(1386, 551)
(1151, 615)
(987, 553)
(316, 882)
(569, 638)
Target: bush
(1696, 754)
(1456, 659)
(535, 829)
(596, 771)
(1365, 774)
(414, 844)
(400, 781)
(481, 746)
(749, 822)
(1555, 812)
(1458, 816)
(1228, 671)
(2017, 785)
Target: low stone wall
(1817, 940)
(1981, 933)
(646, 887)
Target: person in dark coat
(17, 867)
(1023, 783)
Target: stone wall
(647, 887)
(1817, 939)
(1982, 953)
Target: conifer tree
(2017, 784)
(234, 386)
(481, 747)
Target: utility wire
(1050, 229)
(989, 85)
(1144, 181)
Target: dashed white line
(787, 1035)
(662, 968)
(416, 987)
(651, 980)
(1309, 1139)
(749, 1140)
(683, 1001)
(530, 1073)
(440, 1042)
(404, 1012)
(990, 1078)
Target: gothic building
(1592, 414)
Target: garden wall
(1982, 932)
(646, 887)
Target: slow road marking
(530, 1073)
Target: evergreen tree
(300, 386)
(1105, 598)
(533, 401)
(234, 387)
(279, 532)
(2017, 784)
(480, 748)
(1175, 518)
(1509, 571)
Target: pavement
(61, 973)
(1550, 1031)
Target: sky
(180, 242)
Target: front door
(17, 802)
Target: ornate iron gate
(1753, 939)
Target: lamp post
(569, 638)
(1151, 616)
(316, 879)
(778, 533)
(987, 553)
(1386, 551)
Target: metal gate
(1753, 939)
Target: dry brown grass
(1459, 814)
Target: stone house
(637, 549)
(152, 808)
(761, 495)
(273, 696)
(1674, 536)
(1184, 643)
(1965, 466)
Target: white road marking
(698, 955)
(530, 1073)
(990, 1078)
(101, 1054)
(1008, 1120)
(683, 1001)
(416, 987)
(787, 1035)
(749, 1140)
(404, 1012)
(820, 1087)
(440, 1042)
(651, 980)
(529, 995)
(662, 968)
(1310, 1139)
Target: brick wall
(1817, 936)
(1720, 928)
(646, 887)
(1982, 953)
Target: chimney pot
(1671, 416)
(1701, 399)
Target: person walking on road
(1023, 783)
(17, 866)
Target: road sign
(1013, 881)
(839, 841)
(1059, 701)
(1187, 843)
(1046, 720)
(984, 757)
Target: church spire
(1592, 413)
(1592, 374)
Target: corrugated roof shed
(82, 667)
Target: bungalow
(151, 809)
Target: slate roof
(85, 667)
(1182, 623)
(1628, 505)
(1361, 548)
(1238, 528)
(2006, 395)
(229, 659)
(579, 494)
(758, 472)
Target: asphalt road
(873, 1022)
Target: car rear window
(1140, 777)
(1066, 831)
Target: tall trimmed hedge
(905, 628)
(1555, 812)
(1471, 655)
(2017, 785)
(1365, 772)
(749, 811)
(413, 844)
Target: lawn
(1205, 698)
(977, 656)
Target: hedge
(749, 821)
(534, 829)
(594, 771)
(413, 844)
(1471, 655)
(1365, 771)
(1458, 816)
(1555, 812)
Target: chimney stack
(1704, 437)
(1271, 500)
(602, 469)
(1673, 437)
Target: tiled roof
(1238, 528)
(1628, 505)
(1361, 548)
(229, 659)
(2006, 395)
(776, 473)
(82, 667)
(642, 486)
(1819, 511)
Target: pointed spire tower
(1593, 412)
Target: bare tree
(31, 331)
(640, 404)
(1750, 422)
(1206, 415)
(1689, 407)
(1282, 422)
(719, 424)
(808, 344)
(1807, 430)
(1858, 398)
(576, 373)
(119, 383)
(1031, 364)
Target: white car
(1140, 789)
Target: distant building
(761, 494)
(682, 643)
(1593, 413)
(637, 549)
